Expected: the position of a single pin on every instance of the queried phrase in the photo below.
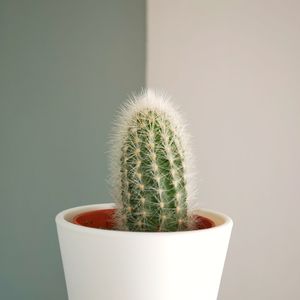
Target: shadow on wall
(65, 68)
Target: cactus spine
(150, 168)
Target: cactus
(149, 167)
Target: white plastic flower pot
(120, 265)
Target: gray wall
(65, 66)
(234, 66)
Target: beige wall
(234, 67)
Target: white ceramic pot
(118, 265)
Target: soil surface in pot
(103, 219)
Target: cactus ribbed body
(152, 173)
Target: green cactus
(152, 192)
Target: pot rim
(65, 217)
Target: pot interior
(104, 219)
